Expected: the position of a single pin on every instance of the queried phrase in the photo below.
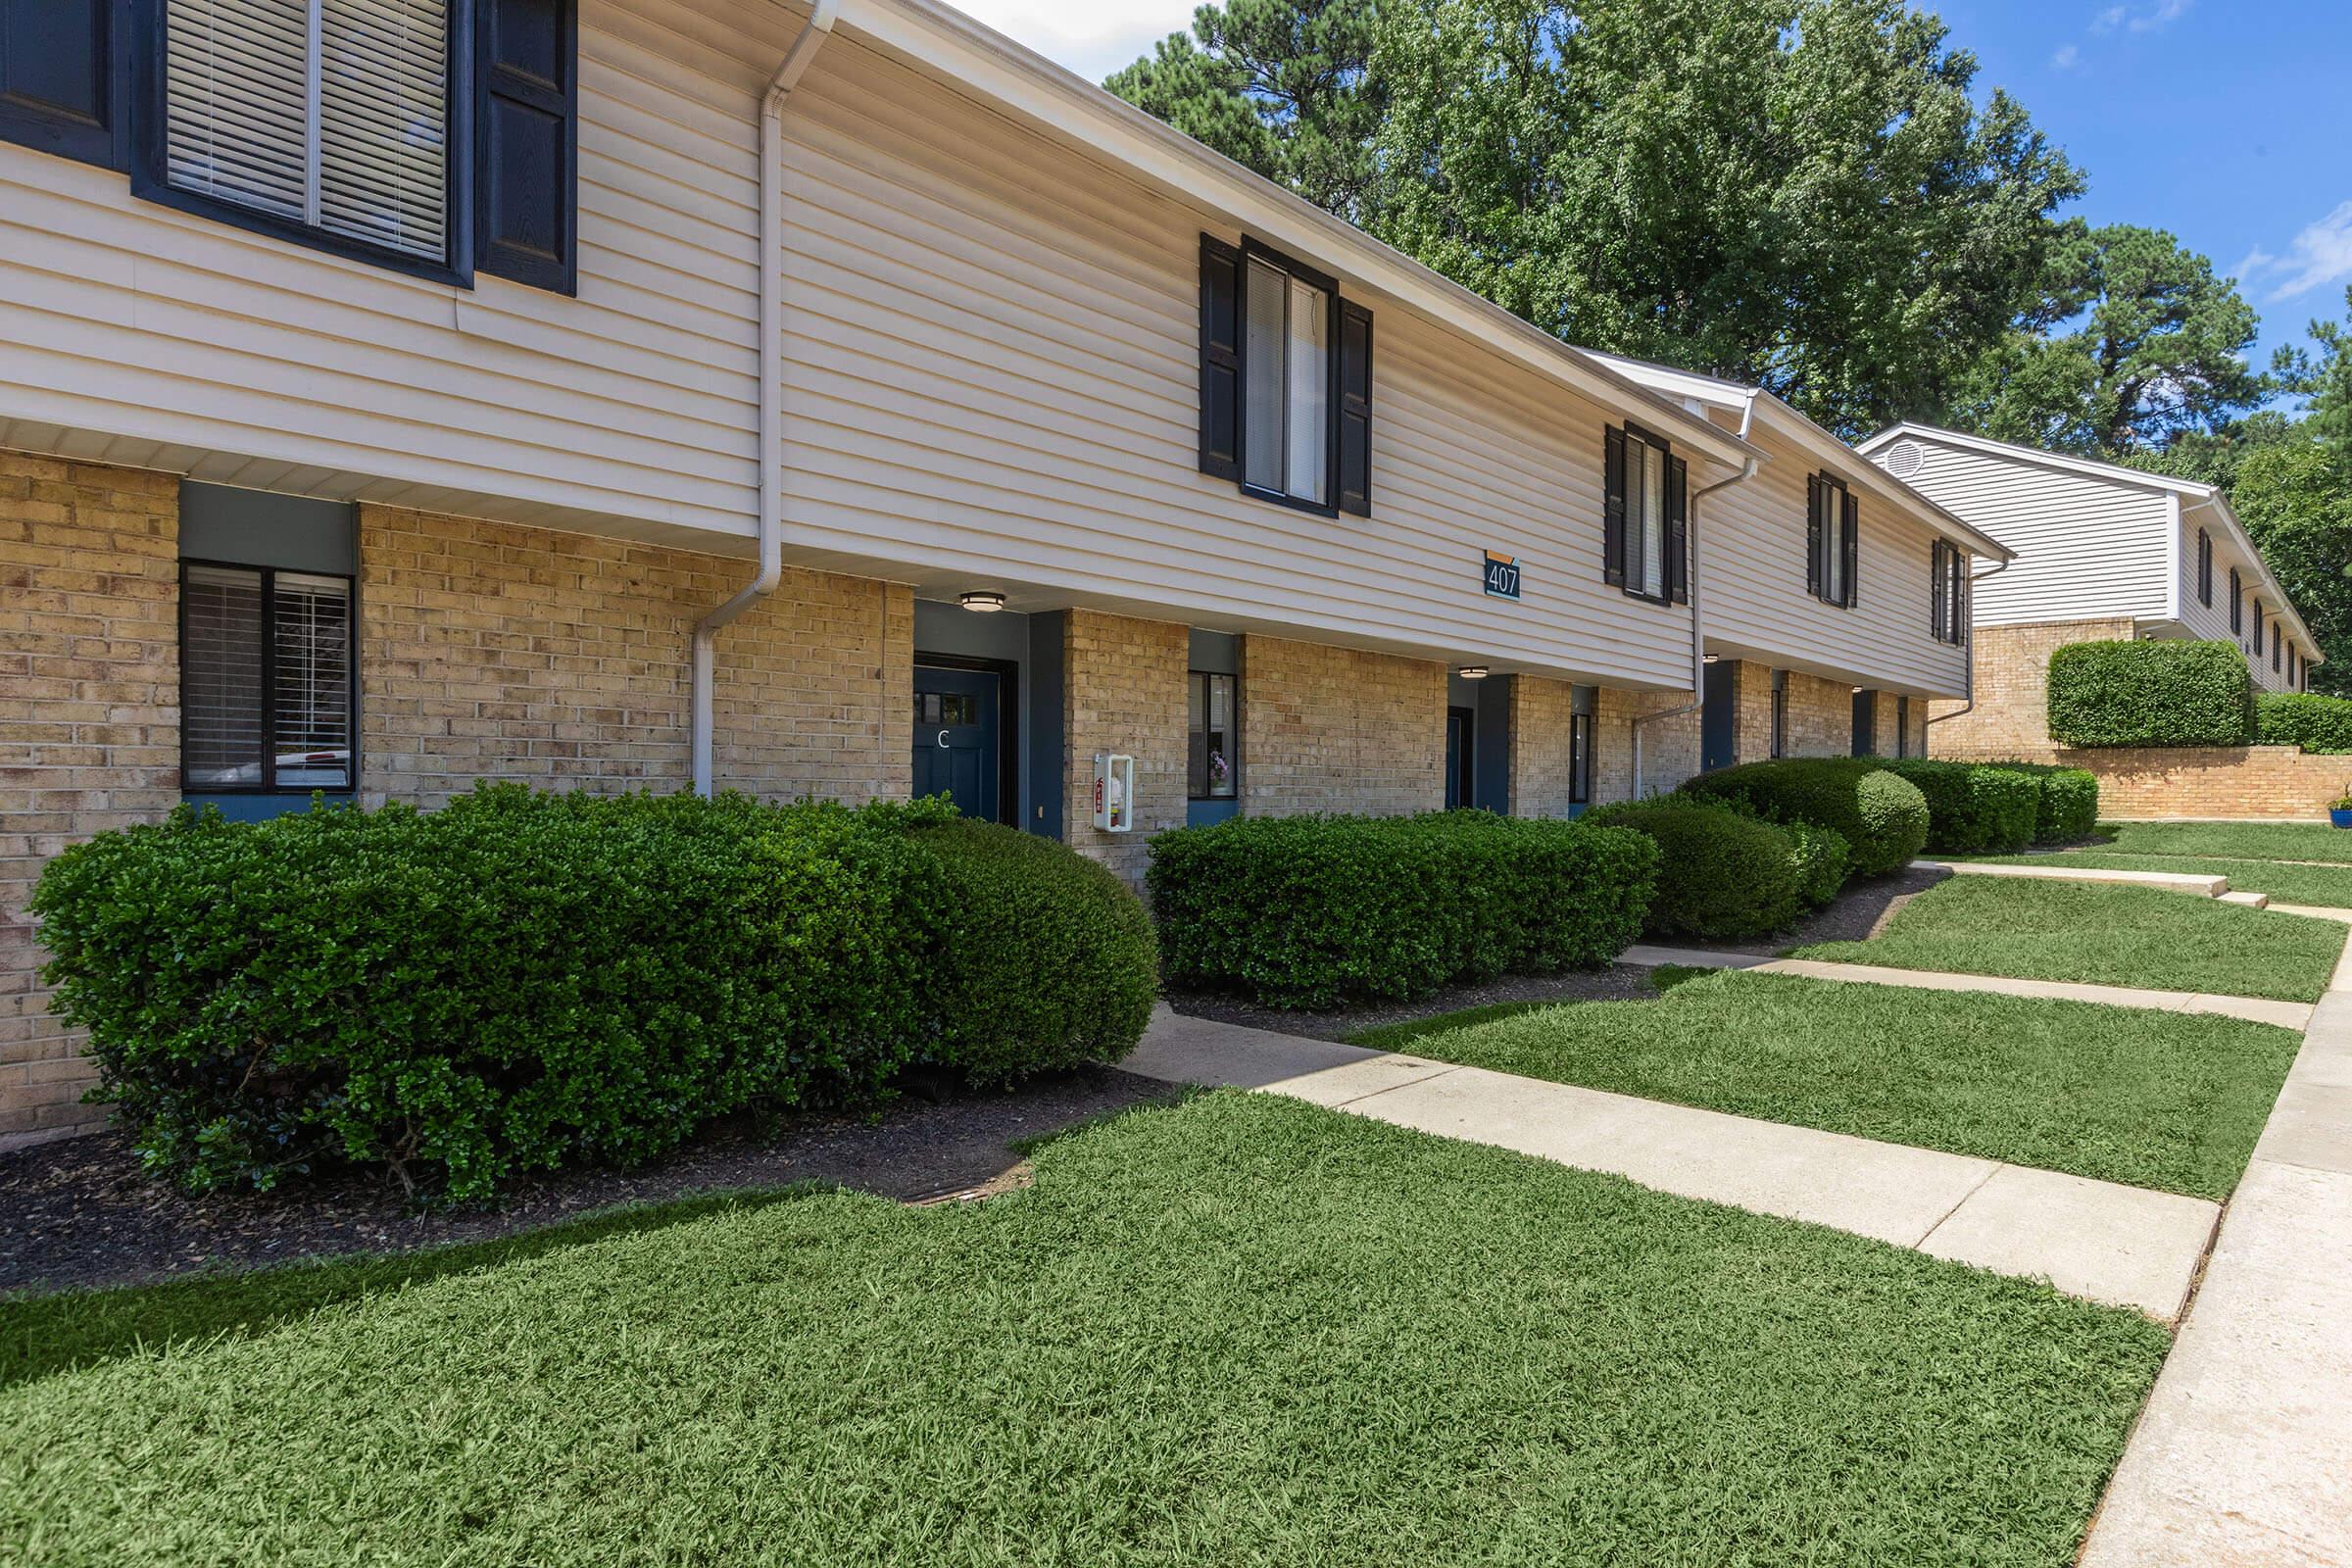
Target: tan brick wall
(1751, 721)
(1821, 716)
(1539, 748)
(1124, 690)
(2012, 688)
(1670, 747)
(89, 725)
(1338, 729)
(489, 651)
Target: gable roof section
(946, 44)
(2200, 497)
(1817, 444)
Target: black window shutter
(1612, 508)
(1850, 545)
(1355, 409)
(57, 78)
(1936, 583)
(1220, 359)
(1814, 558)
(526, 141)
(1678, 530)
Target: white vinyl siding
(331, 113)
(1752, 553)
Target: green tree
(2323, 379)
(2295, 499)
(1802, 193)
(1279, 87)
(2135, 346)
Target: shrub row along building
(652, 393)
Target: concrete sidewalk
(2124, 1246)
(2255, 1010)
(2243, 1456)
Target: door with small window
(958, 740)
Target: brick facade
(1124, 690)
(1339, 729)
(89, 725)
(1751, 712)
(1670, 747)
(2011, 714)
(1540, 711)
(489, 651)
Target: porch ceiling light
(1472, 673)
(983, 603)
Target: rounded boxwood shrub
(1049, 960)
(2153, 693)
(1309, 911)
(1722, 875)
(2321, 724)
(515, 981)
(2067, 806)
(1973, 807)
(1822, 857)
(1882, 819)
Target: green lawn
(1244, 1330)
(2327, 885)
(2235, 841)
(2161, 1099)
(2108, 935)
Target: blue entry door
(957, 740)
(1719, 719)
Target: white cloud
(1092, 37)
(2150, 17)
(2320, 254)
(2066, 57)
(2165, 12)
(2110, 19)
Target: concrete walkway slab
(2125, 1245)
(2254, 1009)
(2250, 901)
(2112, 1243)
(2313, 911)
(2204, 887)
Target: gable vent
(1906, 457)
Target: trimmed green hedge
(2068, 805)
(1822, 857)
(1973, 807)
(1882, 819)
(2153, 693)
(521, 980)
(1047, 961)
(1309, 911)
(1722, 875)
(2316, 724)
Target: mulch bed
(78, 1212)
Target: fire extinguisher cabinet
(1114, 791)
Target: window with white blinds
(331, 113)
(266, 681)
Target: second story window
(1948, 593)
(1833, 541)
(2238, 604)
(2258, 628)
(330, 114)
(1645, 531)
(1285, 380)
(2204, 568)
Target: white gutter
(770, 545)
(1698, 629)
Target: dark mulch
(78, 1213)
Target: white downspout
(769, 537)
(1698, 630)
(1967, 689)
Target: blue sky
(2226, 121)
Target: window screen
(1286, 358)
(331, 113)
(266, 681)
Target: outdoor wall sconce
(983, 603)
(1472, 673)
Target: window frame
(1780, 715)
(1253, 249)
(2257, 626)
(1234, 709)
(2205, 568)
(1580, 758)
(1674, 571)
(268, 786)
(2238, 604)
(1836, 540)
(150, 168)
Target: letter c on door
(943, 740)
